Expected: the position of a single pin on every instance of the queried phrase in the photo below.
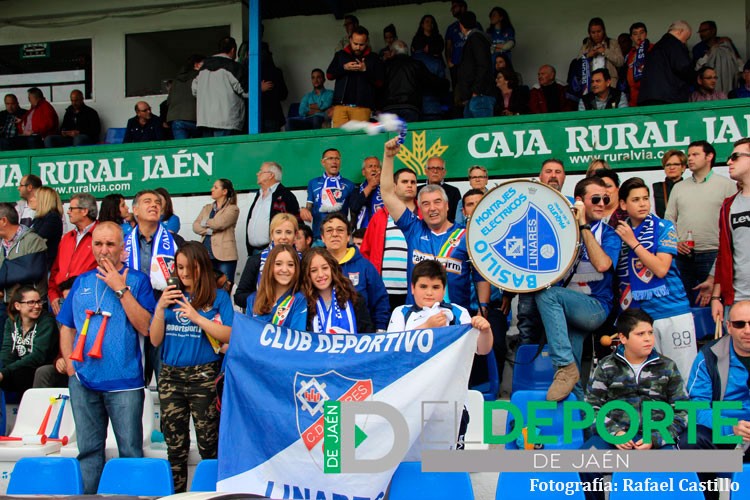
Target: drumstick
(717, 331)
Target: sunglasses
(739, 324)
(736, 156)
(596, 199)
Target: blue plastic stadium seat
(705, 325)
(522, 398)
(409, 482)
(533, 375)
(743, 480)
(114, 136)
(46, 476)
(147, 477)
(511, 484)
(490, 389)
(640, 477)
(206, 474)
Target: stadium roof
(339, 8)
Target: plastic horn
(55, 434)
(43, 426)
(96, 350)
(33, 439)
(717, 331)
(607, 340)
(63, 440)
(78, 351)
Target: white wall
(547, 31)
(108, 43)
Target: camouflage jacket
(659, 380)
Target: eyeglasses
(436, 169)
(261, 172)
(596, 199)
(739, 324)
(31, 303)
(75, 208)
(736, 156)
(331, 158)
(477, 177)
(335, 230)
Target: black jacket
(518, 102)
(181, 101)
(49, 227)
(454, 196)
(4, 117)
(152, 131)
(475, 72)
(272, 116)
(283, 202)
(86, 121)
(613, 100)
(248, 283)
(355, 87)
(406, 80)
(667, 74)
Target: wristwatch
(120, 293)
(584, 226)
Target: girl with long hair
(114, 209)
(30, 339)
(169, 219)
(333, 305)
(216, 224)
(277, 300)
(501, 32)
(282, 230)
(190, 320)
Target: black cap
(468, 20)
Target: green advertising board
(631, 138)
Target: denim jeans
(91, 411)
(480, 106)
(216, 132)
(184, 129)
(530, 327)
(569, 317)
(228, 267)
(694, 270)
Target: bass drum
(523, 236)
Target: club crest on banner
(643, 273)
(310, 394)
(523, 236)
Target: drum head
(523, 236)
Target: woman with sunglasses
(282, 230)
(30, 340)
(333, 305)
(190, 321)
(276, 301)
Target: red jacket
(44, 121)
(70, 261)
(725, 261)
(373, 244)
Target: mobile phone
(173, 280)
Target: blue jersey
(331, 200)
(289, 311)
(599, 285)
(675, 302)
(120, 368)
(449, 248)
(185, 343)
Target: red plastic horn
(96, 350)
(78, 351)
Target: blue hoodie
(369, 285)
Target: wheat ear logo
(416, 157)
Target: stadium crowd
(359, 258)
(467, 72)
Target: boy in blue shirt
(429, 311)
(648, 275)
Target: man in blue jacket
(720, 373)
(335, 231)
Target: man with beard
(357, 71)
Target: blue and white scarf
(162, 256)
(640, 60)
(331, 195)
(637, 282)
(333, 319)
(585, 75)
(375, 203)
(584, 271)
(263, 258)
